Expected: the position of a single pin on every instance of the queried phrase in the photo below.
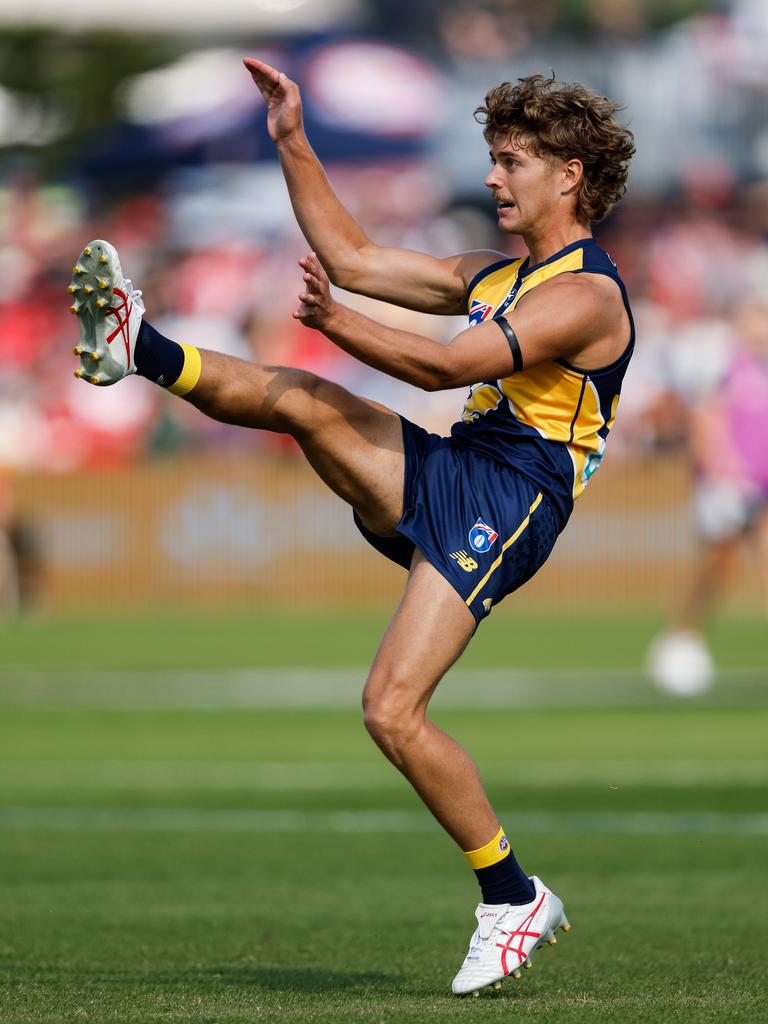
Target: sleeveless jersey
(551, 422)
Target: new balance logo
(467, 562)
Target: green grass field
(508, 639)
(246, 855)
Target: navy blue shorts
(486, 528)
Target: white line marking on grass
(281, 688)
(175, 819)
(286, 776)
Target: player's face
(527, 188)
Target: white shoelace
(476, 946)
(134, 294)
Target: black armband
(514, 344)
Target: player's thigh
(428, 632)
(356, 447)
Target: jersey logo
(482, 536)
(482, 398)
(478, 311)
(467, 563)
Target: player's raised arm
(411, 279)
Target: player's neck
(543, 244)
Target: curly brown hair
(563, 121)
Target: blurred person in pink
(721, 375)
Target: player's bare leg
(429, 631)
(354, 445)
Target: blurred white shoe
(109, 309)
(505, 938)
(680, 663)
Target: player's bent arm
(411, 279)
(484, 352)
(415, 280)
(570, 317)
(579, 317)
(418, 360)
(567, 318)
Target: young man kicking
(471, 516)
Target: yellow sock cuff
(190, 372)
(491, 853)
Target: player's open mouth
(504, 206)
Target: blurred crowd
(694, 265)
(193, 199)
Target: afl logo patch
(478, 312)
(482, 536)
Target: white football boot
(505, 938)
(109, 309)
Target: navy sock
(157, 357)
(501, 878)
(505, 882)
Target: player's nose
(492, 178)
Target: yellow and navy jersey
(549, 422)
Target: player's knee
(391, 721)
(303, 400)
(297, 395)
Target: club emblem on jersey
(482, 536)
(478, 311)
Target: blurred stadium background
(156, 140)
(156, 566)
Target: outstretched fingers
(315, 300)
(267, 78)
(311, 265)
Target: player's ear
(573, 172)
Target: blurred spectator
(20, 557)
(721, 372)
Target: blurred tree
(75, 79)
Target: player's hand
(281, 95)
(315, 303)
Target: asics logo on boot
(521, 933)
(122, 322)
